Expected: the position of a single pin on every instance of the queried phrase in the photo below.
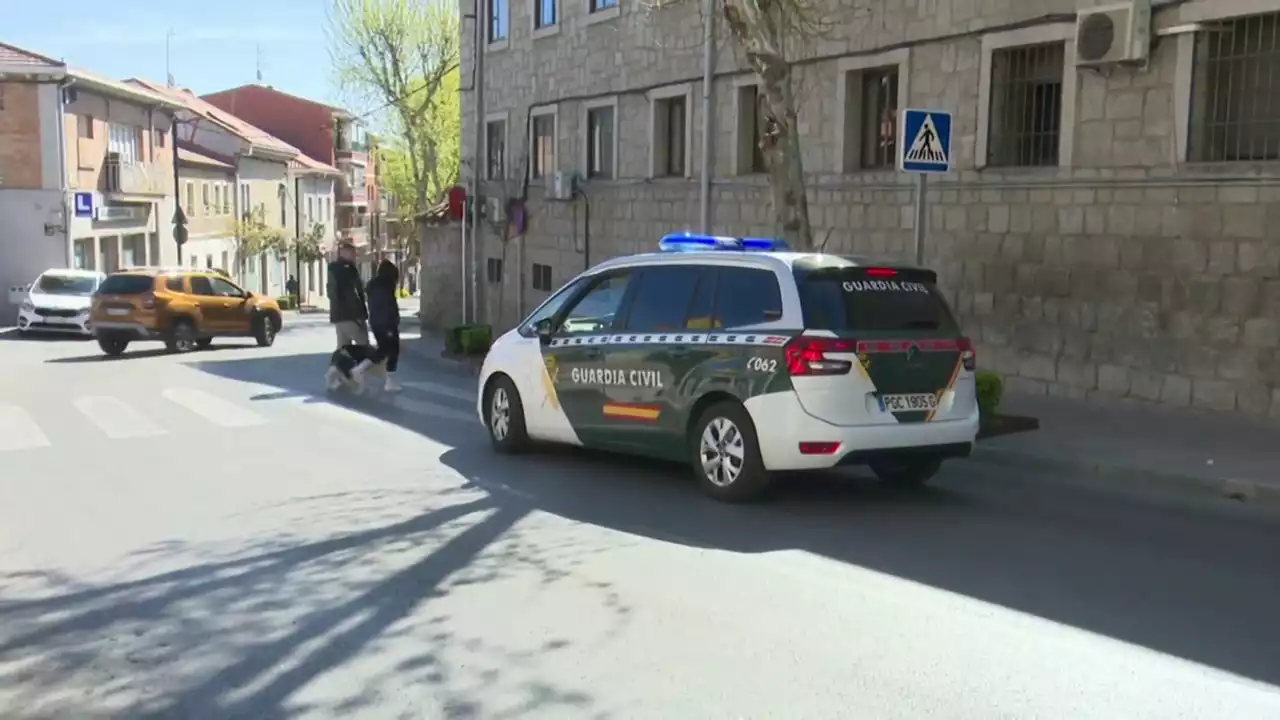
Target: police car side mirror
(542, 329)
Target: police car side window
(661, 302)
(552, 306)
(598, 309)
(747, 296)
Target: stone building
(1109, 230)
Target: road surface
(207, 536)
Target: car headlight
(27, 306)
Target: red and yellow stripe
(955, 374)
(632, 411)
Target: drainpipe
(708, 75)
(477, 88)
(64, 182)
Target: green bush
(287, 302)
(990, 392)
(468, 339)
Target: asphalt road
(207, 536)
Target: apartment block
(328, 134)
(1108, 229)
(268, 173)
(86, 170)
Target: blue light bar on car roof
(691, 242)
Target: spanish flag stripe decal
(630, 411)
(955, 373)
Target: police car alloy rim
(499, 414)
(722, 452)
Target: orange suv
(184, 308)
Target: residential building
(1107, 230)
(207, 188)
(266, 169)
(314, 186)
(86, 170)
(328, 134)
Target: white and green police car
(740, 358)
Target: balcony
(345, 196)
(121, 178)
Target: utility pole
(477, 166)
(257, 49)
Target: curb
(1247, 491)
(462, 367)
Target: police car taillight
(806, 355)
(968, 355)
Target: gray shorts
(350, 332)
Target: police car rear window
(126, 285)
(875, 300)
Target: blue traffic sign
(84, 204)
(925, 141)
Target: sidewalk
(429, 346)
(1163, 448)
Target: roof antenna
(258, 49)
(168, 71)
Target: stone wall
(1126, 270)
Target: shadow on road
(12, 335)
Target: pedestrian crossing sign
(925, 145)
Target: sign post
(924, 149)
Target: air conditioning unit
(495, 210)
(560, 185)
(1114, 34)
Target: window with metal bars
(544, 145)
(1025, 119)
(671, 116)
(600, 142)
(879, 118)
(1235, 111)
(495, 143)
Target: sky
(214, 46)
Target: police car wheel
(906, 472)
(504, 416)
(726, 454)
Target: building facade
(1107, 230)
(207, 191)
(328, 134)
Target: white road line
(116, 419)
(213, 408)
(18, 430)
(418, 407)
(438, 389)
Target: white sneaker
(332, 378)
(391, 385)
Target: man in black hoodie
(347, 310)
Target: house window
(217, 198)
(283, 192)
(497, 20)
(542, 277)
(84, 126)
(493, 271)
(123, 140)
(157, 138)
(670, 130)
(598, 5)
(495, 148)
(191, 198)
(751, 129)
(544, 145)
(1235, 113)
(310, 216)
(544, 13)
(600, 142)
(226, 198)
(879, 118)
(1026, 106)
(204, 196)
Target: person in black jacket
(347, 311)
(384, 320)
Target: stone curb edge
(457, 366)
(1247, 491)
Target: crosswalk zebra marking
(213, 408)
(438, 389)
(115, 418)
(18, 430)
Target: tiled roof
(120, 89)
(198, 158)
(190, 101)
(16, 56)
(268, 88)
(306, 162)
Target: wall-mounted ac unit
(560, 185)
(495, 210)
(1114, 34)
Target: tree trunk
(759, 36)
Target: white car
(741, 358)
(58, 302)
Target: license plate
(909, 402)
(117, 311)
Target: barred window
(1026, 106)
(879, 117)
(1235, 113)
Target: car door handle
(594, 354)
(680, 350)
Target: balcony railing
(121, 178)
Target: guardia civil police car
(740, 358)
